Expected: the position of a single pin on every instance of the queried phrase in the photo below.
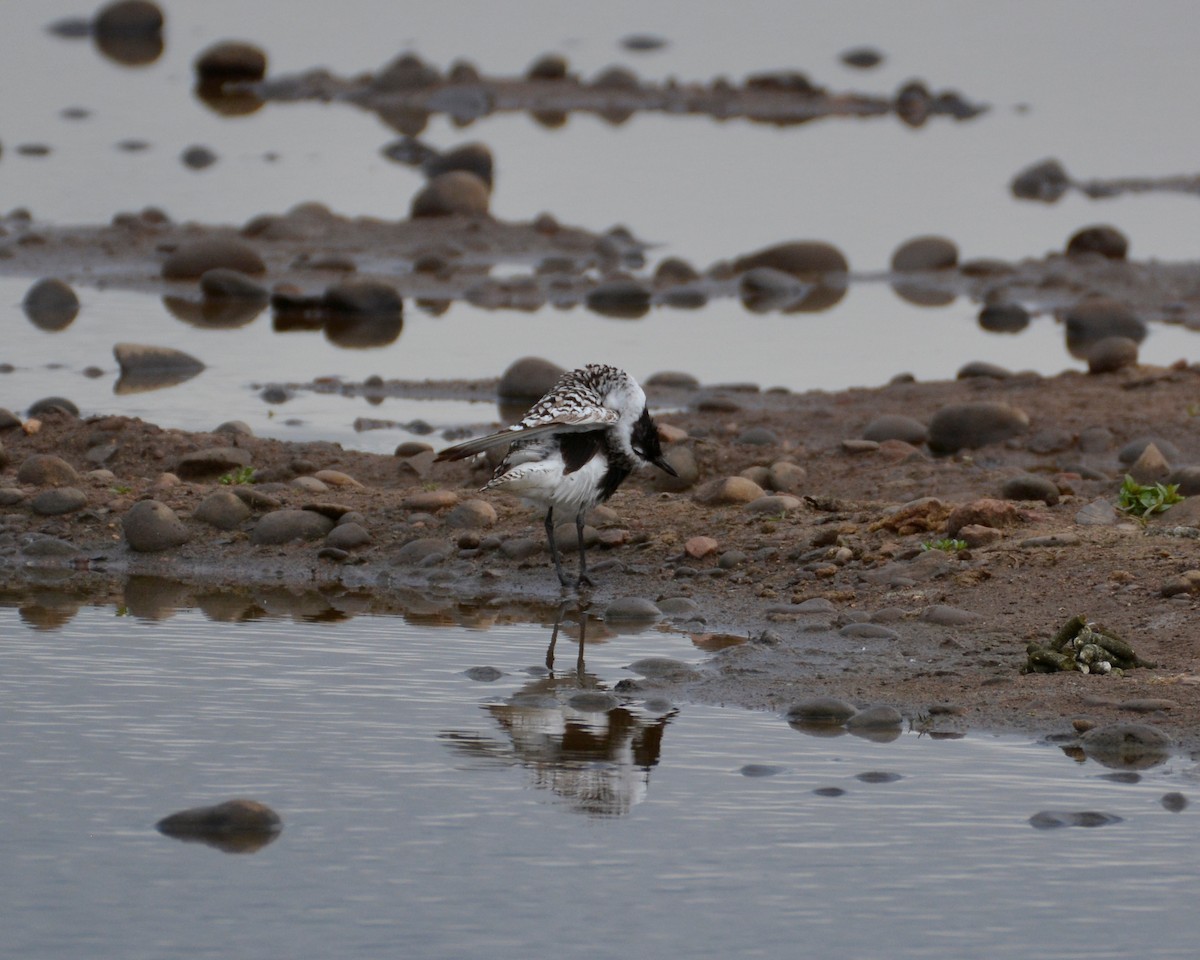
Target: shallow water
(1102, 86)
(430, 814)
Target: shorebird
(573, 449)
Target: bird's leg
(554, 548)
(562, 609)
(583, 617)
(583, 577)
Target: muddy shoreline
(834, 587)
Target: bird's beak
(661, 463)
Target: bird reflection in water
(577, 739)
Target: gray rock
(879, 717)
(144, 366)
(970, 425)
(1135, 448)
(945, 616)
(193, 258)
(406, 72)
(1050, 440)
(1102, 239)
(1098, 513)
(456, 193)
(348, 536)
(46, 470)
(520, 548)
(198, 157)
(284, 526)
(51, 305)
(925, 253)
(211, 462)
(529, 378)
(673, 379)
(731, 559)
(48, 547)
(1099, 440)
(550, 66)
(773, 505)
(1128, 745)
(363, 298)
(1174, 801)
(256, 499)
(1097, 318)
(868, 631)
(58, 500)
(785, 477)
(757, 437)
(679, 608)
(47, 405)
(1187, 479)
(223, 510)
(1045, 181)
(151, 527)
(472, 515)
(682, 458)
(424, 550)
(8, 419)
(821, 710)
(1029, 486)
(593, 701)
(981, 369)
(1112, 354)
(1057, 819)
(631, 608)
(484, 674)
(234, 428)
(1003, 318)
(11, 496)
(895, 426)
(232, 818)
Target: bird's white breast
(543, 482)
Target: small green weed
(122, 489)
(238, 476)
(1143, 500)
(949, 544)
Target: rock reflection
(576, 738)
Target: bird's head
(646, 445)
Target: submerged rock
(236, 826)
(50, 304)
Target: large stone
(193, 258)
(223, 510)
(970, 425)
(50, 304)
(1029, 486)
(58, 500)
(631, 608)
(285, 526)
(821, 711)
(237, 816)
(529, 378)
(925, 253)
(151, 527)
(895, 426)
(1097, 318)
(211, 462)
(1102, 239)
(46, 470)
(1127, 745)
(729, 490)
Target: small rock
(1174, 801)
(1105, 240)
(700, 547)
(194, 258)
(925, 253)
(985, 512)
(550, 66)
(773, 505)
(945, 616)
(624, 299)
(235, 428)
(971, 425)
(284, 526)
(731, 559)
(484, 674)
(53, 405)
(860, 446)
(59, 500)
(471, 515)
(821, 710)
(230, 61)
(151, 527)
(142, 362)
(221, 283)
(814, 262)
(868, 631)
(1098, 513)
(335, 478)
(520, 548)
(211, 462)
(895, 426)
(50, 304)
(430, 501)
(879, 717)
(1045, 181)
(223, 510)
(424, 550)
(978, 369)
(786, 477)
(1003, 318)
(1097, 318)
(233, 817)
(1135, 448)
(1030, 487)
(977, 535)
(1056, 819)
(1129, 745)
(369, 298)
(46, 470)
(631, 608)
(680, 608)
(1112, 354)
(529, 378)
(1151, 466)
(456, 193)
(198, 157)
(49, 547)
(348, 536)
(730, 490)
(1053, 540)
(757, 437)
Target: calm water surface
(429, 814)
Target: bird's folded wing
(589, 418)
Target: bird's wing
(534, 426)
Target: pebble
(193, 258)
(1174, 802)
(284, 526)
(1098, 513)
(59, 500)
(549, 66)
(529, 378)
(221, 283)
(980, 369)
(731, 559)
(10, 496)
(986, 512)
(680, 608)
(430, 501)
(786, 477)
(484, 674)
(50, 304)
(128, 18)
(700, 547)
(223, 510)
(1045, 181)
(46, 470)
(1053, 540)
(946, 616)
(60, 405)
(151, 526)
(256, 499)
(895, 426)
(1097, 318)
(1130, 745)
(862, 58)
(974, 424)
(1151, 466)
(860, 446)
(336, 478)
(1112, 354)
(140, 361)
(977, 535)
(348, 536)
(520, 548)
(773, 504)
(406, 72)
(235, 428)
(1102, 239)
(878, 717)
(1029, 486)
(1147, 705)
(198, 157)
(1004, 318)
(821, 710)
(1056, 819)
(424, 550)
(412, 448)
(456, 193)
(868, 631)
(48, 547)
(730, 490)
(631, 608)
(1050, 440)
(232, 817)
(230, 60)
(211, 462)
(925, 253)
(624, 299)
(471, 514)
(1135, 448)
(8, 419)
(757, 437)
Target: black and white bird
(573, 449)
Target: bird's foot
(578, 583)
